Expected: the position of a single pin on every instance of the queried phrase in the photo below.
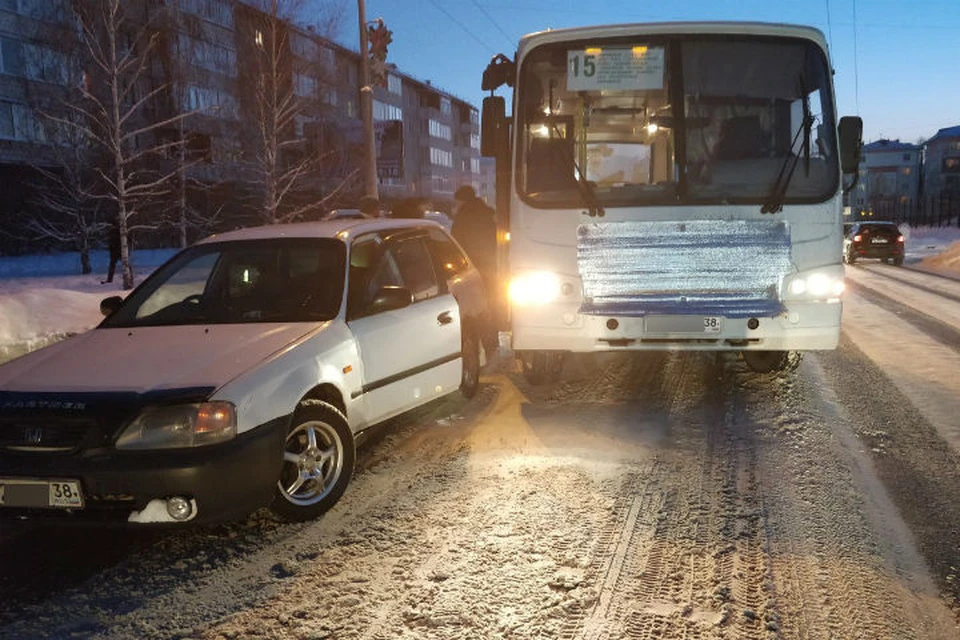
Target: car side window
(416, 267)
(371, 267)
(448, 259)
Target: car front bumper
(222, 482)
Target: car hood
(150, 358)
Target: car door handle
(444, 318)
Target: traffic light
(378, 37)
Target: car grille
(715, 267)
(49, 434)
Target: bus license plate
(44, 494)
(712, 324)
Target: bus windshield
(691, 119)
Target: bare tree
(284, 85)
(62, 204)
(116, 112)
(64, 208)
(178, 53)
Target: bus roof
(672, 28)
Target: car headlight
(540, 287)
(815, 286)
(180, 426)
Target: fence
(934, 211)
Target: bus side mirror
(493, 127)
(850, 132)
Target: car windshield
(699, 119)
(283, 280)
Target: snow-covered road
(655, 495)
(643, 496)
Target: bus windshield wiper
(778, 192)
(584, 186)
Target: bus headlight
(815, 286)
(539, 287)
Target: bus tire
(540, 367)
(772, 361)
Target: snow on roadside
(42, 299)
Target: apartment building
(941, 181)
(205, 64)
(889, 180)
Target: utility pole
(366, 109)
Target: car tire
(470, 355)
(850, 259)
(772, 361)
(898, 261)
(319, 454)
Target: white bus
(671, 186)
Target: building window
(474, 116)
(906, 171)
(394, 84)
(441, 157)
(445, 107)
(216, 11)
(384, 111)
(305, 86)
(474, 165)
(439, 130)
(11, 57)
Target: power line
(856, 66)
(494, 22)
(462, 26)
(829, 28)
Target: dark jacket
(475, 228)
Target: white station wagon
(242, 373)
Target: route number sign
(624, 68)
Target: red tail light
(899, 238)
(857, 238)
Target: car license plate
(712, 324)
(683, 324)
(44, 494)
(879, 240)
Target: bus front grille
(704, 267)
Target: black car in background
(875, 240)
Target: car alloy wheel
(318, 459)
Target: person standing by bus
(475, 228)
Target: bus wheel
(541, 366)
(772, 361)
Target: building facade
(204, 63)
(942, 165)
(889, 183)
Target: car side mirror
(850, 132)
(109, 305)
(391, 297)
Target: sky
(895, 60)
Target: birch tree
(114, 112)
(278, 107)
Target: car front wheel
(318, 459)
